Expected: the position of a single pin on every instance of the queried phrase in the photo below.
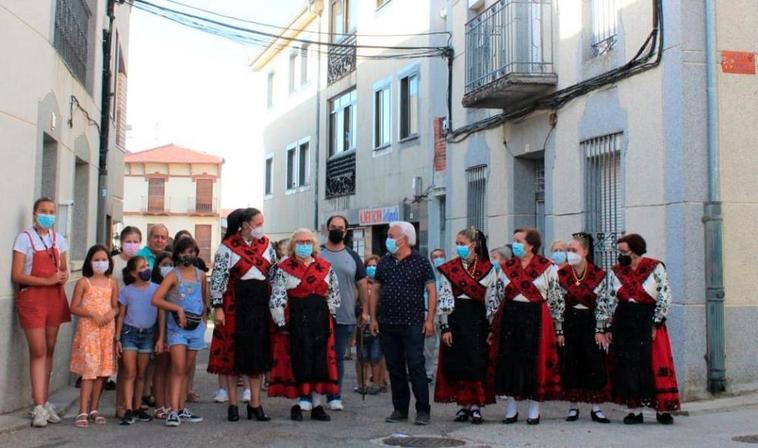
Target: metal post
(712, 220)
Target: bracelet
(445, 328)
(559, 332)
(599, 330)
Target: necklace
(577, 280)
(471, 269)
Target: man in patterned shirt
(397, 315)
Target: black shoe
(319, 414)
(664, 418)
(476, 417)
(597, 418)
(511, 420)
(533, 421)
(110, 385)
(142, 416)
(127, 419)
(574, 415)
(78, 382)
(397, 417)
(233, 413)
(296, 414)
(632, 419)
(461, 416)
(257, 413)
(422, 418)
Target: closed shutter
(156, 192)
(204, 198)
(203, 239)
(476, 204)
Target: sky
(197, 90)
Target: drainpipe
(318, 130)
(105, 104)
(712, 219)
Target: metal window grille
(604, 25)
(303, 168)
(71, 40)
(539, 195)
(476, 201)
(604, 199)
(269, 176)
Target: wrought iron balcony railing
(342, 59)
(340, 176)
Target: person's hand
(601, 341)
(447, 338)
(653, 334)
(119, 349)
(182, 318)
(490, 338)
(428, 329)
(219, 316)
(373, 327)
(365, 319)
(609, 338)
(61, 277)
(98, 318)
(561, 340)
(160, 347)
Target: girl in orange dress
(93, 350)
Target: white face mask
(165, 270)
(100, 267)
(257, 233)
(573, 259)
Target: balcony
(203, 207)
(342, 60)
(509, 54)
(340, 176)
(155, 205)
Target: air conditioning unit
(475, 4)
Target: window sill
(301, 189)
(342, 154)
(410, 138)
(383, 151)
(268, 196)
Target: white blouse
(492, 298)
(283, 282)
(225, 261)
(656, 285)
(547, 284)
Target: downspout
(105, 105)
(318, 130)
(712, 219)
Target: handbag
(193, 320)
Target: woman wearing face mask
(558, 252)
(244, 264)
(40, 269)
(643, 368)
(304, 301)
(584, 374)
(131, 242)
(369, 366)
(523, 338)
(500, 255)
(469, 294)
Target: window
(476, 205)
(603, 194)
(204, 196)
(409, 106)
(304, 65)
(270, 91)
(342, 123)
(269, 187)
(303, 170)
(72, 34)
(291, 156)
(604, 22)
(156, 190)
(292, 72)
(382, 117)
(343, 18)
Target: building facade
(592, 115)
(51, 119)
(351, 128)
(177, 187)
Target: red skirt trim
(465, 393)
(221, 358)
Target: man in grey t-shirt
(351, 275)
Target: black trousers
(403, 347)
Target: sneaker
(161, 413)
(173, 419)
(246, 396)
(128, 418)
(221, 396)
(142, 416)
(397, 417)
(187, 416)
(305, 405)
(422, 418)
(336, 405)
(52, 413)
(39, 417)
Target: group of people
(511, 323)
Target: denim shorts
(140, 340)
(371, 352)
(193, 340)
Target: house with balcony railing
(178, 187)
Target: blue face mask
(518, 249)
(45, 221)
(496, 265)
(439, 261)
(559, 257)
(463, 251)
(303, 250)
(391, 245)
(371, 271)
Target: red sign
(738, 62)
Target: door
(203, 239)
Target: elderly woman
(500, 255)
(304, 301)
(643, 366)
(558, 251)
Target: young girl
(92, 352)
(136, 325)
(164, 264)
(183, 294)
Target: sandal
(96, 418)
(81, 421)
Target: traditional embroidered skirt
(462, 368)
(584, 365)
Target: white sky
(197, 90)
